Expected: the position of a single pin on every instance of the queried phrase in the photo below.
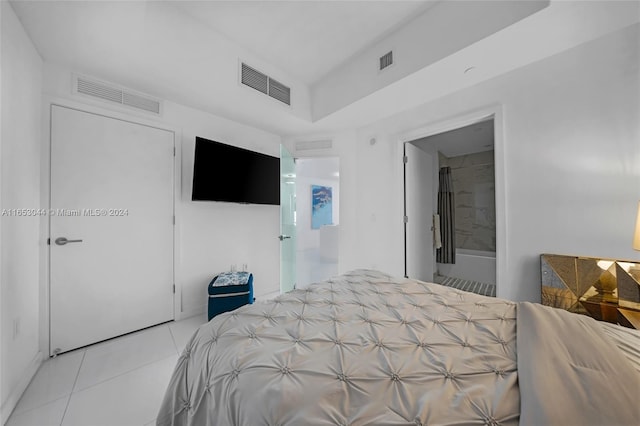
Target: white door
(419, 211)
(112, 199)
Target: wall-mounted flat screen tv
(228, 173)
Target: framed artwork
(321, 206)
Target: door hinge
(405, 159)
(406, 219)
(174, 289)
(48, 241)
(174, 219)
(174, 151)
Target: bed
(366, 348)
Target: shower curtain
(446, 210)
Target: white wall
(216, 235)
(20, 180)
(210, 236)
(572, 175)
(379, 202)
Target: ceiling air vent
(113, 93)
(386, 60)
(255, 79)
(279, 91)
(265, 84)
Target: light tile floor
(120, 382)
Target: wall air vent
(113, 93)
(386, 60)
(265, 84)
(310, 145)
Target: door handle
(62, 241)
(283, 237)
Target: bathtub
(471, 265)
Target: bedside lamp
(636, 235)
(628, 276)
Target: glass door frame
(287, 237)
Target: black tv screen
(223, 172)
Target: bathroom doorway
(469, 154)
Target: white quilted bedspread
(363, 348)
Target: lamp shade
(636, 234)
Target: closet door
(111, 228)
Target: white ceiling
(188, 51)
(307, 38)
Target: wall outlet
(245, 267)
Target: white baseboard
(12, 400)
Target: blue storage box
(229, 291)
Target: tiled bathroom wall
(474, 185)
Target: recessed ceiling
(306, 38)
(189, 52)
